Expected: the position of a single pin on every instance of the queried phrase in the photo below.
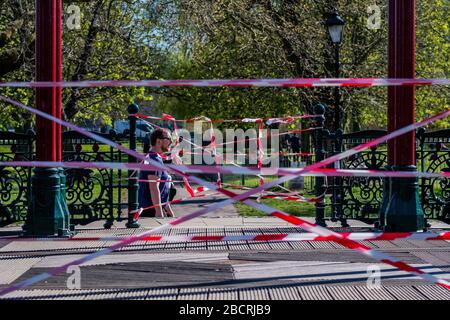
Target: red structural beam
(401, 100)
(59, 11)
(48, 68)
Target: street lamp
(335, 25)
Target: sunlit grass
(304, 209)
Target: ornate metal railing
(103, 194)
(361, 197)
(15, 182)
(92, 194)
(433, 154)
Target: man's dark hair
(158, 134)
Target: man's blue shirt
(145, 199)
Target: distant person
(157, 189)
(294, 143)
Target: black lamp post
(335, 25)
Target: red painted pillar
(401, 65)
(59, 12)
(48, 213)
(48, 68)
(401, 206)
(392, 62)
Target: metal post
(337, 181)
(338, 188)
(48, 213)
(404, 212)
(133, 185)
(320, 155)
(110, 221)
(387, 190)
(337, 92)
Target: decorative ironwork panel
(434, 156)
(93, 194)
(360, 197)
(15, 186)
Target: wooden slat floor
(11, 247)
(240, 270)
(392, 292)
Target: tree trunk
(71, 108)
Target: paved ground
(214, 270)
(217, 270)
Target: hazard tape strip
(291, 172)
(260, 152)
(272, 135)
(356, 236)
(297, 198)
(174, 156)
(299, 82)
(348, 243)
(243, 140)
(269, 121)
(214, 151)
(286, 154)
(244, 198)
(196, 194)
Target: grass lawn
(295, 208)
(303, 209)
(253, 182)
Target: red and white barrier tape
(244, 198)
(142, 180)
(243, 140)
(356, 236)
(195, 195)
(269, 121)
(174, 156)
(291, 172)
(260, 152)
(272, 155)
(297, 198)
(271, 135)
(212, 145)
(260, 155)
(298, 154)
(299, 82)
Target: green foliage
(264, 39)
(432, 58)
(248, 39)
(116, 41)
(222, 39)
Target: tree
(116, 41)
(432, 58)
(282, 39)
(267, 39)
(197, 39)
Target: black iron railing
(107, 194)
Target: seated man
(155, 189)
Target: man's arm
(155, 195)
